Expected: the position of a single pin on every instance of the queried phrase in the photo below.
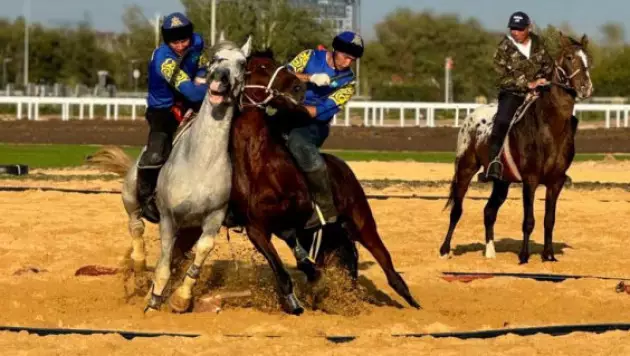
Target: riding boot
(495, 167)
(146, 182)
(508, 105)
(321, 192)
(149, 167)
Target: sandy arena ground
(57, 233)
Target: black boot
(146, 182)
(495, 167)
(321, 192)
(149, 166)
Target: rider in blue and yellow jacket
(330, 85)
(177, 81)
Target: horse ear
(564, 40)
(222, 37)
(584, 40)
(247, 47)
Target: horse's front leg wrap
(155, 302)
(194, 271)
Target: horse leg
(369, 238)
(180, 300)
(466, 167)
(163, 267)
(262, 241)
(529, 191)
(138, 251)
(499, 193)
(551, 199)
(303, 261)
(345, 250)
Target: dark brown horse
(270, 195)
(538, 150)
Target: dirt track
(126, 132)
(58, 232)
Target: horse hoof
(179, 304)
(292, 305)
(148, 310)
(549, 258)
(445, 252)
(523, 259)
(490, 251)
(413, 303)
(139, 266)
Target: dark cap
(519, 21)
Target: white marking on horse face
(584, 58)
(582, 55)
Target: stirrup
(317, 219)
(500, 174)
(150, 211)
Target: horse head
(269, 83)
(226, 72)
(572, 66)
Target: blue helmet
(175, 27)
(350, 43)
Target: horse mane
(263, 53)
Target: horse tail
(452, 190)
(110, 159)
(476, 124)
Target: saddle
(510, 168)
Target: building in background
(344, 14)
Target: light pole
(4, 70)
(27, 14)
(448, 66)
(356, 13)
(158, 17)
(213, 22)
(132, 64)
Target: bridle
(565, 79)
(269, 91)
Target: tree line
(405, 60)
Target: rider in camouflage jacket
(522, 63)
(515, 71)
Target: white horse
(193, 187)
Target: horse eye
(263, 67)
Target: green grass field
(57, 156)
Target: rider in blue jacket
(177, 77)
(330, 85)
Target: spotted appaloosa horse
(538, 150)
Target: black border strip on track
(61, 190)
(536, 276)
(65, 331)
(553, 330)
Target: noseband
(269, 90)
(565, 80)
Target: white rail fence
(373, 113)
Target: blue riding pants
(304, 143)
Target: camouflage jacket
(515, 71)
